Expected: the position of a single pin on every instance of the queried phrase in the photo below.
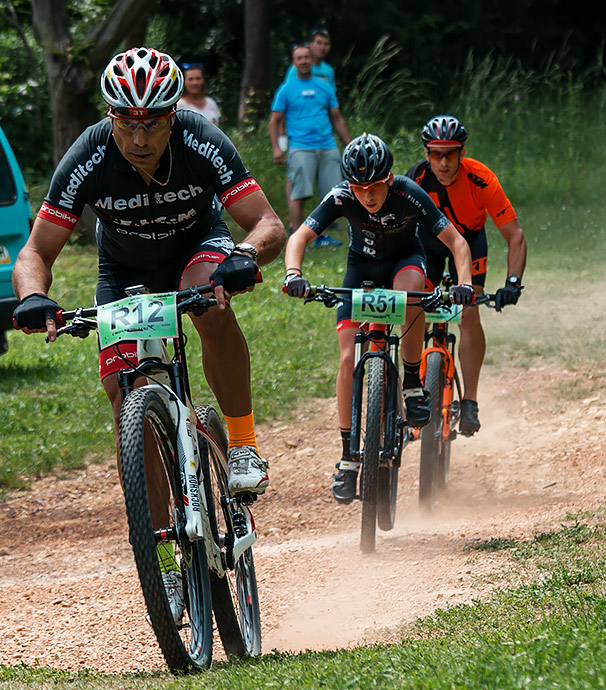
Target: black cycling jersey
(144, 226)
(389, 233)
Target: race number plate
(139, 317)
(378, 306)
(446, 312)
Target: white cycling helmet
(142, 82)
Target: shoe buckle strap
(349, 465)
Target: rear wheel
(235, 598)
(372, 448)
(431, 435)
(151, 483)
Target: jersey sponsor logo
(210, 151)
(141, 200)
(478, 181)
(479, 266)
(500, 213)
(238, 191)
(56, 215)
(77, 176)
(371, 251)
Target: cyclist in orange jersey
(466, 191)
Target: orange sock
(241, 431)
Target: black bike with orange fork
(441, 380)
(379, 431)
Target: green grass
(547, 633)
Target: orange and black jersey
(475, 193)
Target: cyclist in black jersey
(157, 181)
(384, 212)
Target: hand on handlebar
(510, 294)
(237, 273)
(462, 294)
(295, 285)
(38, 313)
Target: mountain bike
(441, 379)
(174, 473)
(376, 358)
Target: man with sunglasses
(384, 212)
(154, 176)
(466, 191)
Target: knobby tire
(235, 597)
(431, 435)
(372, 447)
(387, 485)
(147, 433)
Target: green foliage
(24, 102)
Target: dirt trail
(71, 599)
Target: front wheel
(151, 481)
(431, 435)
(235, 597)
(372, 450)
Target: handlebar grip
(59, 320)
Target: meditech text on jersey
(211, 152)
(77, 176)
(139, 200)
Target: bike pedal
(247, 498)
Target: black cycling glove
(295, 285)
(34, 310)
(510, 294)
(236, 273)
(462, 294)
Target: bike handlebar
(82, 320)
(428, 301)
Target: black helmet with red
(444, 130)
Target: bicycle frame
(169, 380)
(383, 344)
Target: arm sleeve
(497, 204)
(325, 213)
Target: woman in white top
(194, 94)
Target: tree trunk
(74, 67)
(254, 87)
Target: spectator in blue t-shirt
(319, 44)
(309, 108)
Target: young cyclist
(466, 191)
(383, 211)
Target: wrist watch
(247, 248)
(514, 280)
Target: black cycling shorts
(437, 254)
(381, 272)
(114, 277)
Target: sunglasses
(355, 187)
(156, 124)
(450, 154)
(321, 31)
(299, 44)
(191, 65)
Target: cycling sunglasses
(450, 154)
(156, 124)
(355, 187)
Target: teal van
(15, 226)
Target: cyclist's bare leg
(472, 347)
(412, 343)
(346, 338)
(224, 350)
